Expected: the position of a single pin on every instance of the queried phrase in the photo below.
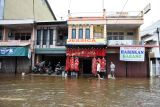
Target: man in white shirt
(112, 67)
(98, 69)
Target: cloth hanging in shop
(103, 64)
(67, 64)
(72, 64)
(94, 66)
(76, 64)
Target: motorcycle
(59, 69)
(39, 68)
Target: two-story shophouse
(86, 44)
(50, 42)
(124, 47)
(17, 32)
(112, 37)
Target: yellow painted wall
(23, 9)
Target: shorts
(98, 72)
(102, 74)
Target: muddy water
(49, 91)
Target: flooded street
(49, 91)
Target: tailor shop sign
(86, 41)
(132, 53)
(13, 51)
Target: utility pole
(158, 39)
(158, 69)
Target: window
(87, 33)
(38, 37)
(45, 33)
(80, 34)
(121, 33)
(22, 36)
(109, 37)
(28, 36)
(73, 33)
(51, 36)
(130, 33)
(121, 37)
(109, 33)
(115, 35)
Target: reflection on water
(49, 91)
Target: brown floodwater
(51, 91)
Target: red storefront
(83, 60)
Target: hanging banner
(94, 66)
(103, 64)
(13, 51)
(67, 64)
(76, 64)
(84, 52)
(72, 64)
(132, 53)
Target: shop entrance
(87, 66)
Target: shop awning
(50, 50)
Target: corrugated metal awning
(10, 22)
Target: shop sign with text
(86, 41)
(132, 53)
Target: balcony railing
(15, 43)
(129, 14)
(124, 42)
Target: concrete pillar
(69, 31)
(105, 31)
(77, 31)
(137, 34)
(54, 36)
(5, 33)
(91, 32)
(84, 31)
(41, 40)
(38, 59)
(48, 38)
(33, 44)
(151, 71)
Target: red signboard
(85, 52)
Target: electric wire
(121, 11)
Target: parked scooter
(59, 69)
(49, 69)
(39, 68)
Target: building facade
(115, 36)
(17, 32)
(50, 42)
(150, 37)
